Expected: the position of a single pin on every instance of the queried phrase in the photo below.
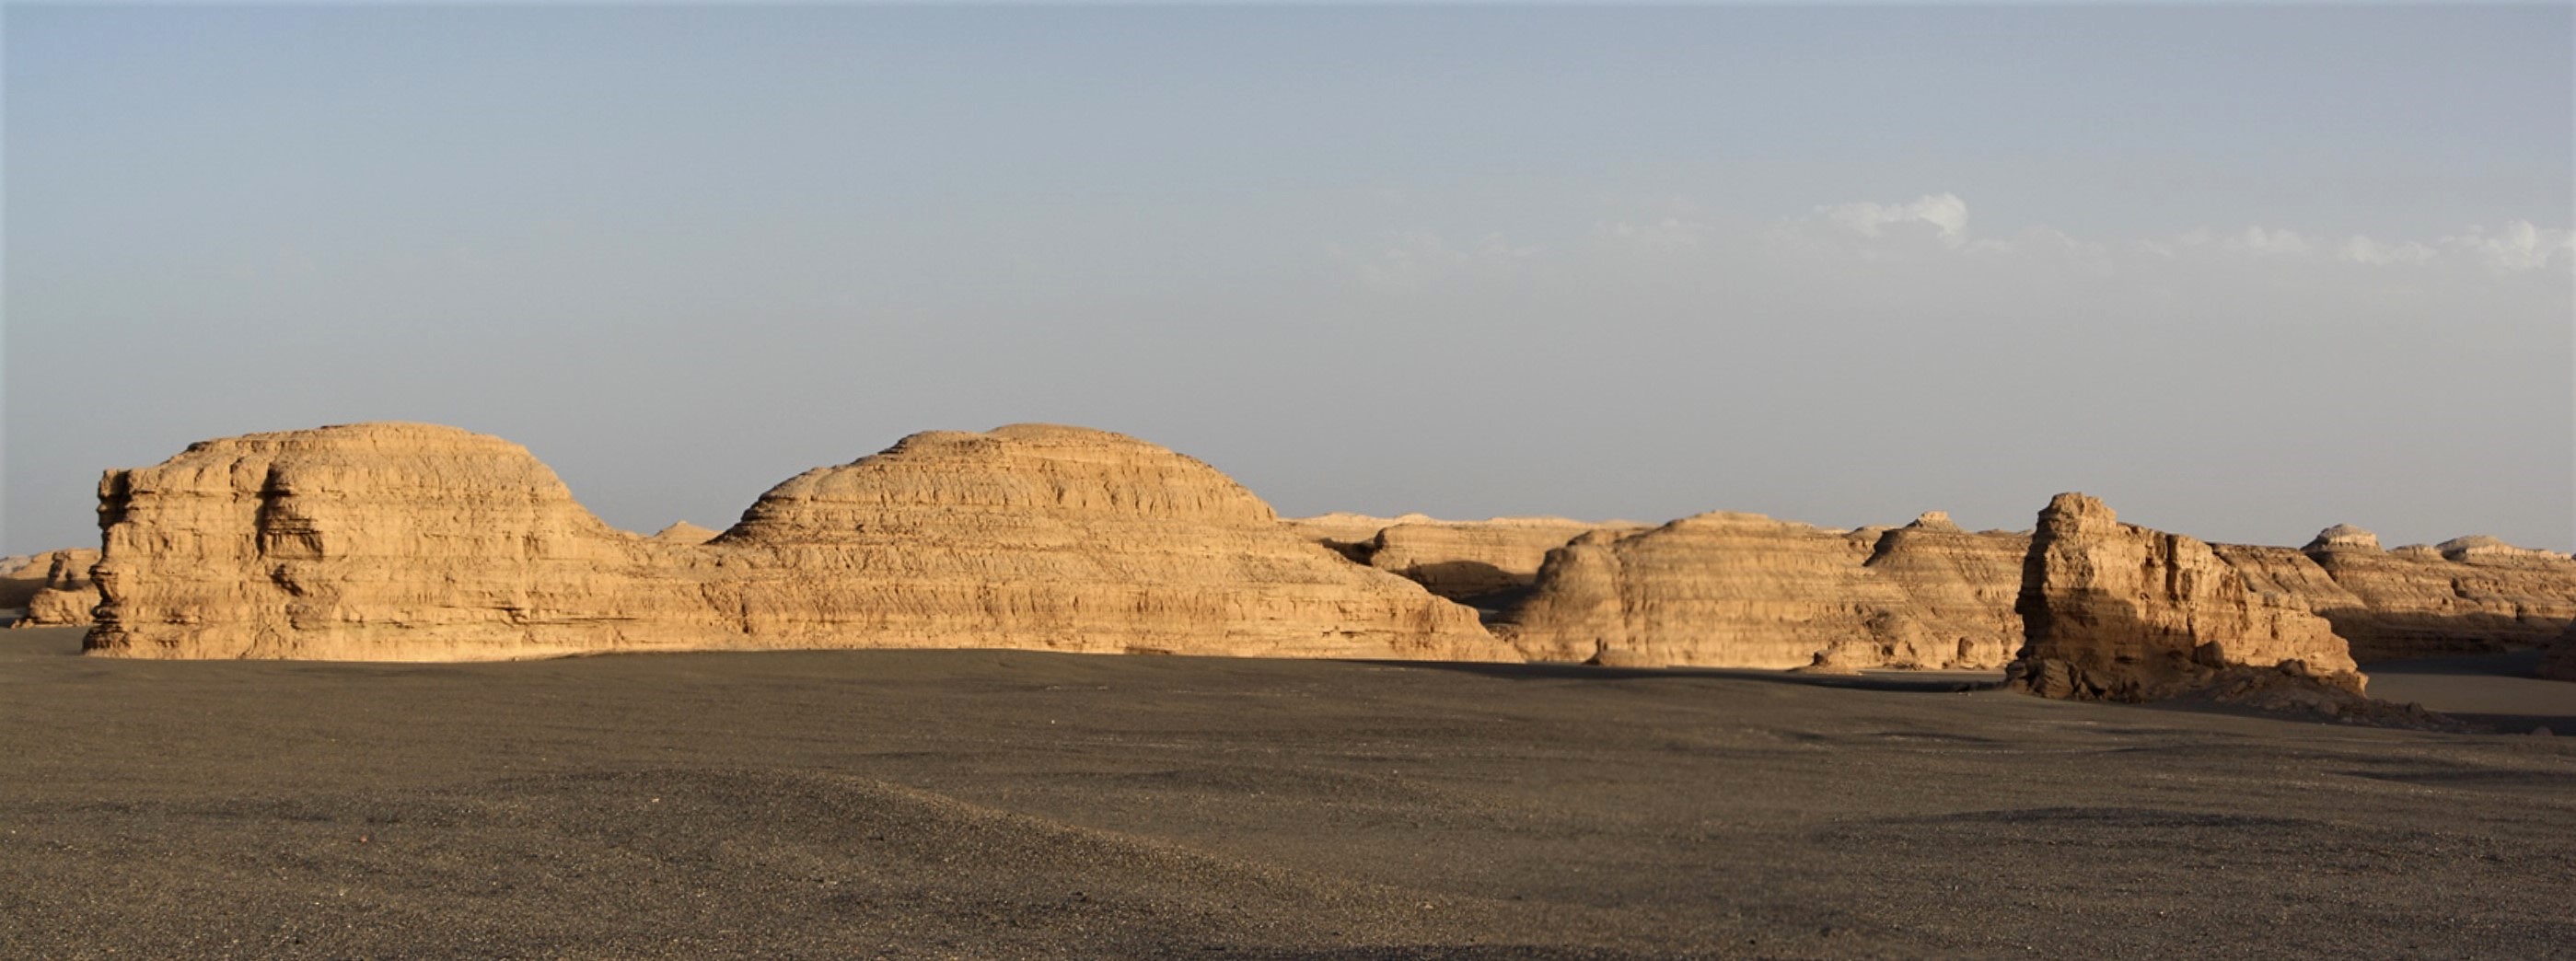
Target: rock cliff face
(2114, 611)
(2469, 595)
(415, 542)
(53, 588)
(1743, 590)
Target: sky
(2242, 272)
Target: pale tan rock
(1066, 539)
(416, 542)
(1484, 562)
(53, 588)
(685, 533)
(2119, 612)
(1743, 590)
(2470, 595)
(407, 542)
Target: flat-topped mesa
(1743, 590)
(1064, 538)
(414, 542)
(2114, 611)
(382, 541)
(2469, 595)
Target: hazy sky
(2242, 272)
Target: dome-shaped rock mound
(382, 541)
(416, 542)
(1064, 538)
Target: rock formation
(2118, 612)
(376, 542)
(2469, 595)
(685, 533)
(1486, 563)
(416, 542)
(52, 588)
(1743, 590)
(1065, 539)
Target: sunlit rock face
(2114, 611)
(418, 542)
(1743, 590)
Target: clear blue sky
(2243, 272)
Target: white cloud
(2256, 240)
(1944, 211)
(2363, 250)
(2519, 246)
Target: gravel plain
(991, 804)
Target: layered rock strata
(417, 542)
(1487, 563)
(2467, 595)
(2114, 611)
(1065, 539)
(1743, 590)
(53, 589)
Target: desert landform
(869, 727)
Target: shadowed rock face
(1743, 590)
(1487, 563)
(2114, 611)
(416, 542)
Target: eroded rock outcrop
(417, 542)
(1487, 563)
(685, 533)
(53, 589)
(1066, 539)
(2114, 611)
(1743, 590)
(2468, 595)
(376, 542)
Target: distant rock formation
(2469, 595)
(1487, 563)
(52, 588)
(685, 533)
(2114, 611)
(418, 542)
(1744, 590)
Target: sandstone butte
(52, 588)
(1487, 563)
(1744, 590)
(2119, 612)
(420, 542)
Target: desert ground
(1006, 804)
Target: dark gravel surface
(1009, 805)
